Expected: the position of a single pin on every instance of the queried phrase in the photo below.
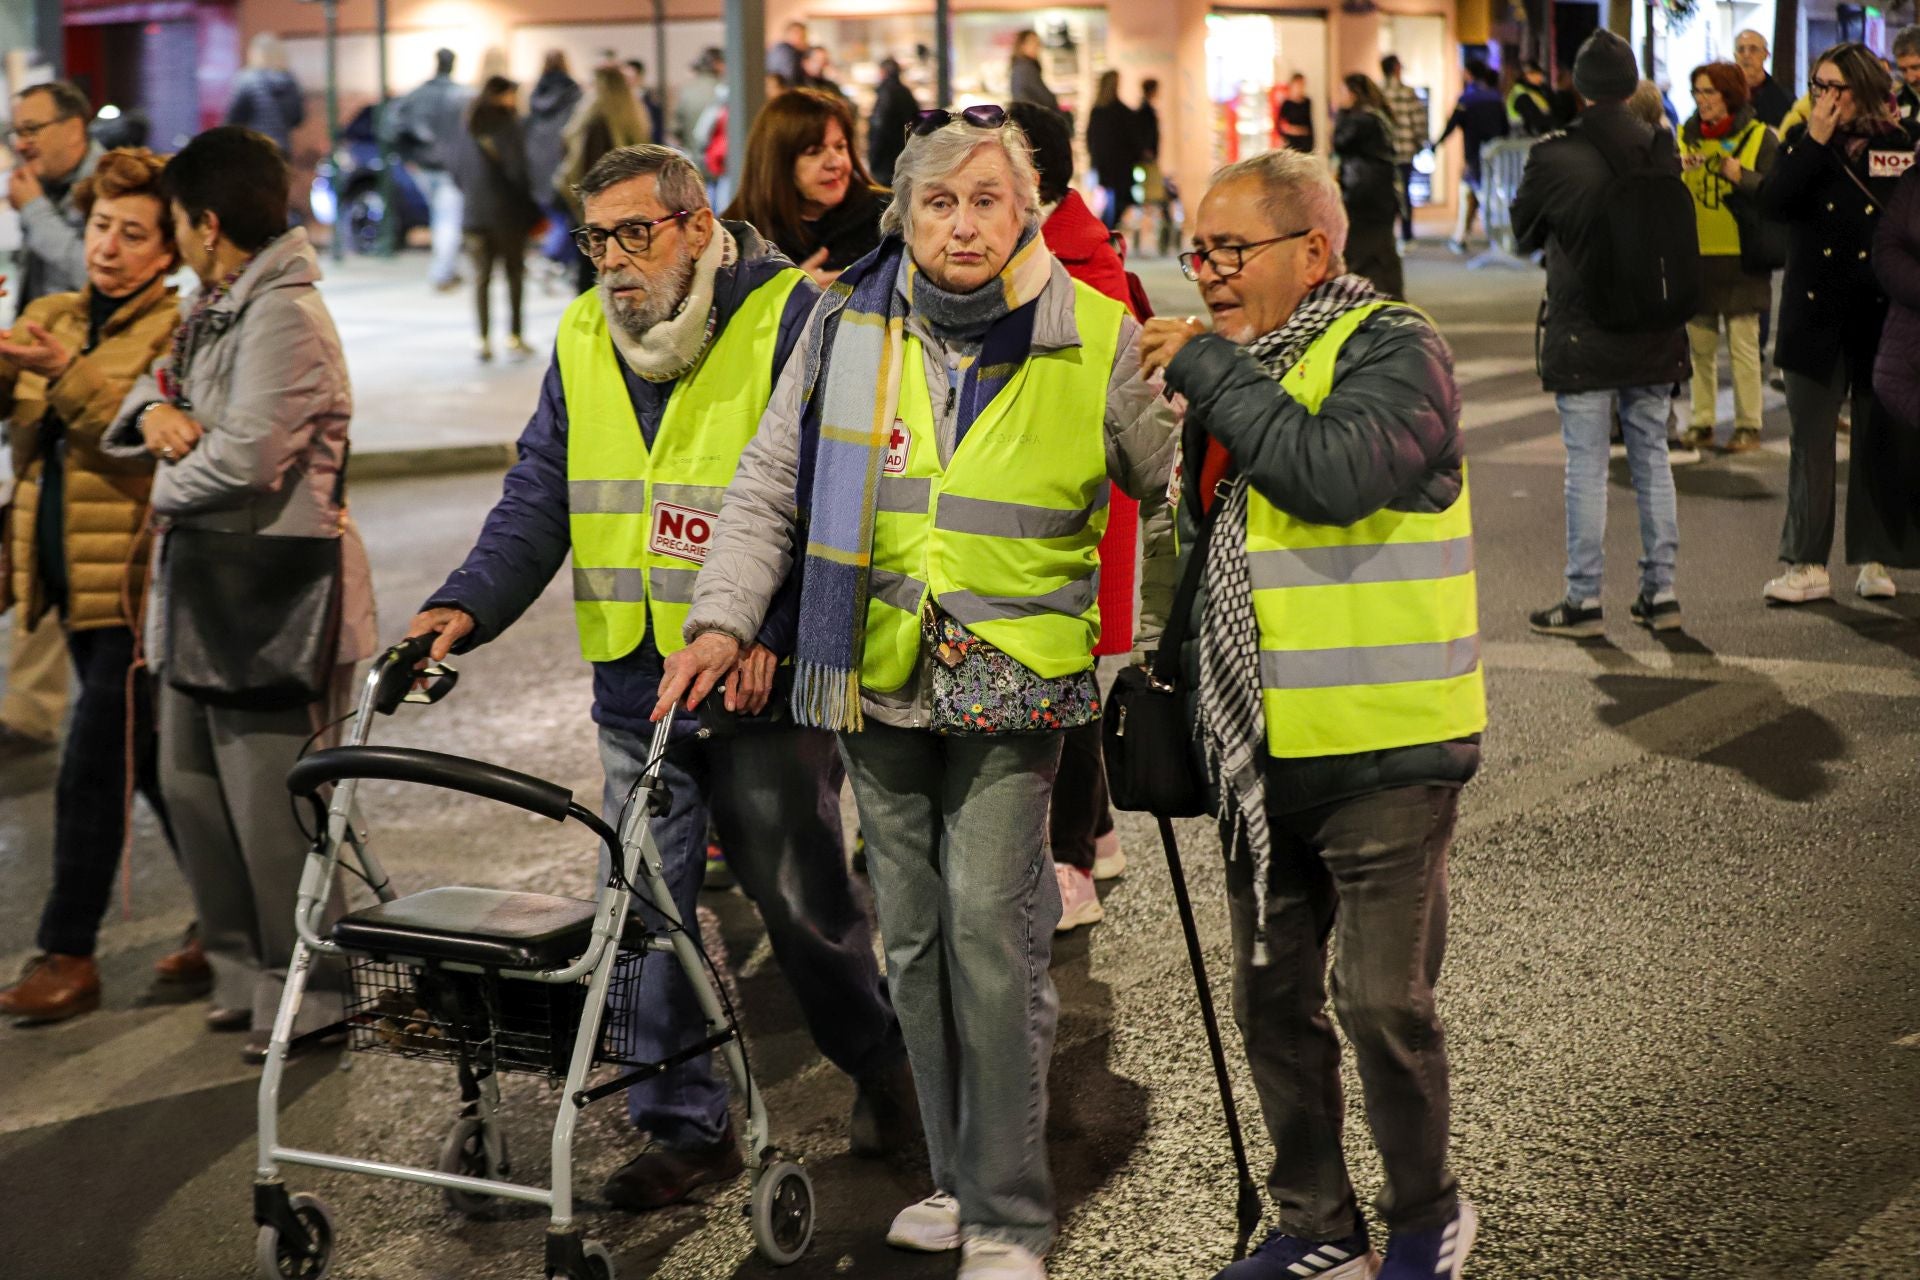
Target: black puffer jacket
(1560, 196)
(1387, 435)
(1831, 305)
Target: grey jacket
(53, 244)
(268, 383)
(1029, 84)
(753, 547)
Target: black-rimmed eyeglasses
(1228, 259)
(28, 132)
(985, 115)
(633, 237)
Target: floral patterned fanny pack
(979, 689)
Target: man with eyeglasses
(1769, 101)
(659, 380)
(1340, 698)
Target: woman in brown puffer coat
(78, 545)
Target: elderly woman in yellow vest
(1337, 667)
(1724, 151)
(940, 450)
(79, 549)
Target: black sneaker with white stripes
(1581, 621)
(1284, 1257)
(1654, 613)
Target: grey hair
(937, 154)
(1297, 193)
(679, 182)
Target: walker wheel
(599, 1261)
(782, 1212)
(465, 1152)
(277, 1259)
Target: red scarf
(1720, 130)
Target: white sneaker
(932, 1226)
(998, 1260)
(1799, 584)
(1079, 902)
(1874, 584)
(1109, 859)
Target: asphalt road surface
(1682, 996)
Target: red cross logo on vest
(897, 445)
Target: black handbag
(252, 620)
(1152, 764)
(1763, 241)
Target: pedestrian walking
(658, 382)
(79, 552)
(805, 188)
(1479, 117)
(1027, 80)
(947, 625)
(1156, 189)
(248, 416)
(816, 71)
(266, 97)
(635, 72)
(702, 89)
(785, 57)
(424, 127)
(609, 120)
(1340, 699)
(894, 108)
(1593, 364)
(53, 155)
(1831, 184)
(1725, 151)
(1363, 152)
(1769, 101)
(490, 164)
(1409, 115)
(1080, 828)
(555, 98)
(1293, 115)
(1113, 147)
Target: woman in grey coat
(248, 417)
(940, 450)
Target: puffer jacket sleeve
(1142, 432)
(88, 399)
(1896, 243)
(1391, 418)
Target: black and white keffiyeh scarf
(1232, 722)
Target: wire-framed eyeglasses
(1228, 259)
(634, 237)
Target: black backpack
(1641, 267)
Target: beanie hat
(1604, 70)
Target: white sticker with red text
(681, 531)
(898, 442)
(1888, 164)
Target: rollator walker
(490, 982)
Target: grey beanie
(1604, 70)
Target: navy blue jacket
(526, 538)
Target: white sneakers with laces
(1799, 584)
(931, 1226)
(997, 1260)
(1874, 582)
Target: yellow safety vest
(1369, 633)
(1513, 101)
(642, 519)
(1006, 535)
(1719, 233)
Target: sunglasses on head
(984, 116)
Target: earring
(209, 246)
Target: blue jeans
(774, 799)
(956, 832)
(1586, 422)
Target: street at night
(1681, 994)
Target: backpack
(1641, 268)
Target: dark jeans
(510, 251)
(90, 798)
(1369, 876)
(1081, 813)
(1405, 172)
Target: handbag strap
(1164, 667)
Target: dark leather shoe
(660, 1176)
(187, 965)
(886, 1113)
(229, 1019)
(52, 988)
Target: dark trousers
(509, 249)
(1882, 460)
(1119, 200)
(1080, 813)
(1405, 172)
(90, 800)
(1369, 877)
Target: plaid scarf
(857, 340)
(1232, 721)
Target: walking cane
(1248, 1209)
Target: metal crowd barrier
(1501, 163)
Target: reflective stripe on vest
(1719, 230)
(1005, 535)
(1540, 100)
(1369, 634)
(641, 519)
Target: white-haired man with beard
(658, 382)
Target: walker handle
(433, 769)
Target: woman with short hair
(806, 188)
(940, 449)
